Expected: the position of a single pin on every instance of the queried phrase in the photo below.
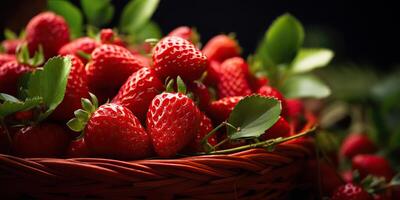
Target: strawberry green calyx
(181, 86)
(82, 116)
(152, 41)
(23, 56)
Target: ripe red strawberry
(186, 33)
(109, 68)
(172, 122)
(5, 58)
(269, 91)
(78, 149)
(232, 80)
(221, 109)
(10, 73)
(372, 164)
(295, 108)
(138, 92)
(204, 128)
(201, 94)
(10, 46)
(41, 140)
(84, 44)
(213, 71)
(77, 88)
(281, 128)
(108, 36)
(220, 48)
(355, 144)
(113, 131)
(175, 56)
(257, 82)
(143, 60)
(351, 191)
(49, 30)
(347, 176)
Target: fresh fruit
(109, 68)
(10, 73)
(204, 128)
(78, 149)
(172, 122)
(108, 36)
(281, 128)
(11, 46)
(295, 108)
(6, 58)
(112, 131)
(138, 92)
(47, 30)
(221, 47)
(219, 110)
(212, 73)
(174, 56)
(78, 46)
(350, 191)
(232, 80)
(256, 82)
(201, 94)
(269, 91)
(77, 88)
(40, 140)
(373, 165)
(143, 60)
(355, 144)
(322, 176)
(186, 33)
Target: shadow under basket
(250, 174)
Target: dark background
(366, 32)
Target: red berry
(232, 80)
(23, 115)
(172, 122)
(10, 73)
(143, 60)
(269, 91)
(42, 140)
(110, 67)
(113, 131)
(174, 56)
(84, 44)
(295, 108)
(201, 94)
(49, 30)
(351, 191)
(347, 176)
(220, 48)
(355, 144)
(186, 33)
(372, 164)
(281, 128)
(204, 128)
(108, 36)
(257, 82)
(11, 46)
(322, 176)
(221, 109)
(213, 71)
(138, 92)
(6, 58)
(77, 88)
(78, 149)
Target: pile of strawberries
(125, 104)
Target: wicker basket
(251, 174)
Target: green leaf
(309, 59)
(7, 97)
(136, 14)
(50, 83)
(99, 13)
(305, 86)
(281, 42)
(9, 34)
(253, 115)
(10, 107)
(70, 13)
(150, 30)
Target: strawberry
(372, 164)
(322, 176)
(281, 128)
(78, 149)
(201, 94)
(347, 176)
(204, 128)
(77, 88)
(109, 68)
(138, 92)
(48, 30)
(269, 91)
(108, 36)
(174, 56)
(350, 191)
(232, 80)
(172, 122)
(41, 140)
(221, 109)
(143, 60)
(10, 73)
(355, 144)
(295, 108)
(213, 71)
(221, 47)
(113, 131)
(186, 33)
(5, 58)
(75, 47)
(11, 46)
(256, 82)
